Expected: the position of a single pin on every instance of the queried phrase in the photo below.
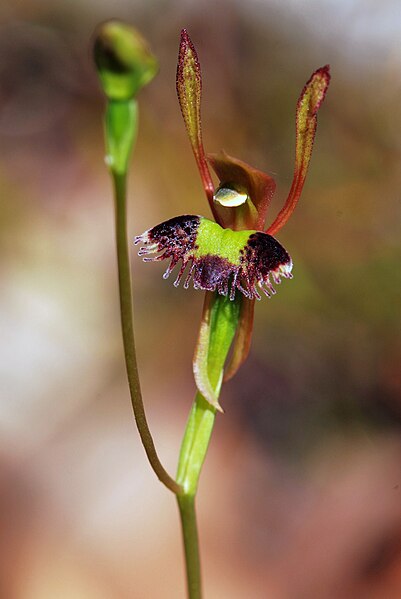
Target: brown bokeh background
(301, 493)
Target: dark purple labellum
(221, 259)
(214, 272)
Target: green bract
(123, 59)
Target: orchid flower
(236, 253)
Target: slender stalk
(189, 527)
(121, 125)
(193, 452)
(221, 315)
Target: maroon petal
(189, 91)
(243, 338)
(308, 105)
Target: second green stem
(121, 125)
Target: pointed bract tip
(200, 369)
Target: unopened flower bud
(123, 59)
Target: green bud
(123, 59)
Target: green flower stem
(186, 504)
(221, 315)
(121, 126)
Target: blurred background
(300, 496)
